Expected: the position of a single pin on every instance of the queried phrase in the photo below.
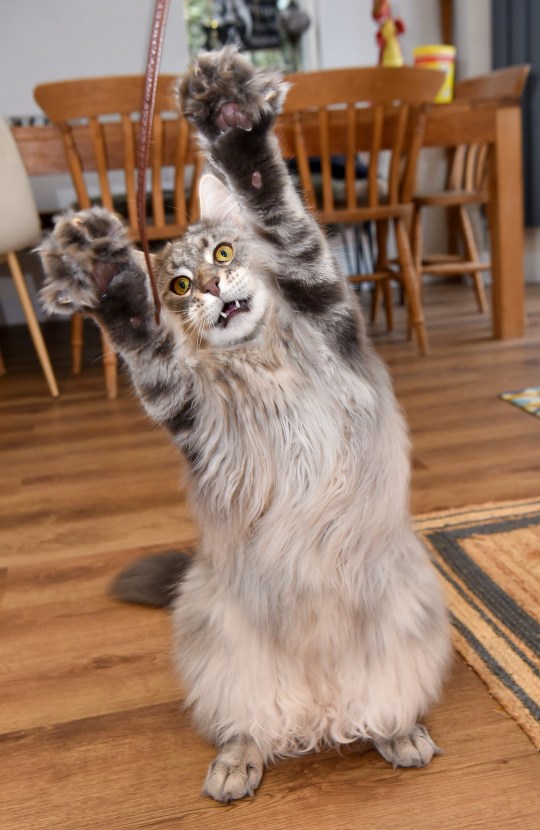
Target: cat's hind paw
(80, 257)
(414, 749)
(223, 90)
(235, 772)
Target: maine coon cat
(310, 614)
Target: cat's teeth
(222, 314)
(237, 303)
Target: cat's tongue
(230, 309)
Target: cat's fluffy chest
(276, 428)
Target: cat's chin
(239, 329)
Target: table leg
(507, 231)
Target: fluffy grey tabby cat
(310, 614)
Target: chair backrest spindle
(100, 154)
(75, 167)
(375, 149)
(415, 139)
(156, 164)
(397, 150)
(326, 163)
(350, 161)
(128, 133)
(179, 177)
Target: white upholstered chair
(19, 229)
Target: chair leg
(411, 285)
(388, 303)
(77, 342)
(416, 238)
(417, 243)
(471, 252)
(382, 265)
(33, 325)
(109, 367)
(2, 365)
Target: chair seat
(449, 198)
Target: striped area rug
(489, 558)
(526, 399)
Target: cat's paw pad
(223, 90)
(80, 257)
(415, 749)
(235, 773)
(230, 115)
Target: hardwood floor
(92, 734)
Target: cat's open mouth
(229, 310)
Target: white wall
(472, 32)
(347, 30)
(49, 40)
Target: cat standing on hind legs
(310, 615)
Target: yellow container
(443, 58)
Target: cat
(310, 614)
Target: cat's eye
(180, 285)
(223, 253)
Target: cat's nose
(212, 287)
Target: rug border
(456, 523)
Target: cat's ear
(218, 205)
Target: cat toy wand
(145, 133)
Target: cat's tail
(153, 580)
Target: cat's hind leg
(415, 748)
(236, 771)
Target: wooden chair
(467, 184)
(102, 115)
(364, 110)
(20, 229)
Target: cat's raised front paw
(81, 257)
(223, 90)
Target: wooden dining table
(496, 123)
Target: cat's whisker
(200, 333)
(191, 328)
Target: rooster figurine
(390, 28)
